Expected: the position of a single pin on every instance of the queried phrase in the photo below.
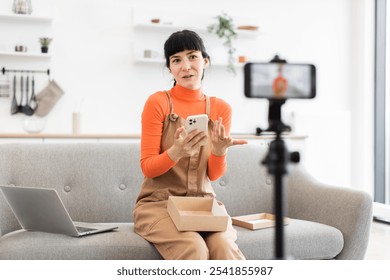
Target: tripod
(276, 161)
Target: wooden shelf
(149, 60)
(172, 28)
(29, 18)
(25, 54)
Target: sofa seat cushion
(122, 243)
(303, 240)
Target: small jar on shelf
(22, 7)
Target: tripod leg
(279, 216)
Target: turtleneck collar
(186, 94)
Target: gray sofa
(100, 182)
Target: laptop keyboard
(84, 229)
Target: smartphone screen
(279, 80)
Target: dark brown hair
(181, 41)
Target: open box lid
(257, 221)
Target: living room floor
(379, 243)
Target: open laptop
(40, 209)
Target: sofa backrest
(96, 181)
(246, 187)
(99, 182)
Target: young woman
(178, 163)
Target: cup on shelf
(20, 48)
(150, 54)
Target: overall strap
(172, 116)
(170, 102)
(208, 106)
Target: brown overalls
(187, 178)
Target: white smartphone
(199, 122)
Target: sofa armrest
(348, 210)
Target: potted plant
(224, 29)
(45, 42)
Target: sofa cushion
(303, 241)
(122, 243)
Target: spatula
(33, 99)
(27, 110)
(20, 107)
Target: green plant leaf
(224, 29)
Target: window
(382, 104)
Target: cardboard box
(257, 221)
(197, 213)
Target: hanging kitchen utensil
(4, 86)
(33, 99)
(27, 110)
(20, 107)
(14, 104)
(47, 98)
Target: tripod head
(275, 117)
(278, 156)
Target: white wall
(93, 62)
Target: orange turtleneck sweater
(185, 103)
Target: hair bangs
(181, 41)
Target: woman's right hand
(186, 144)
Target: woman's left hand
(221, 142)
